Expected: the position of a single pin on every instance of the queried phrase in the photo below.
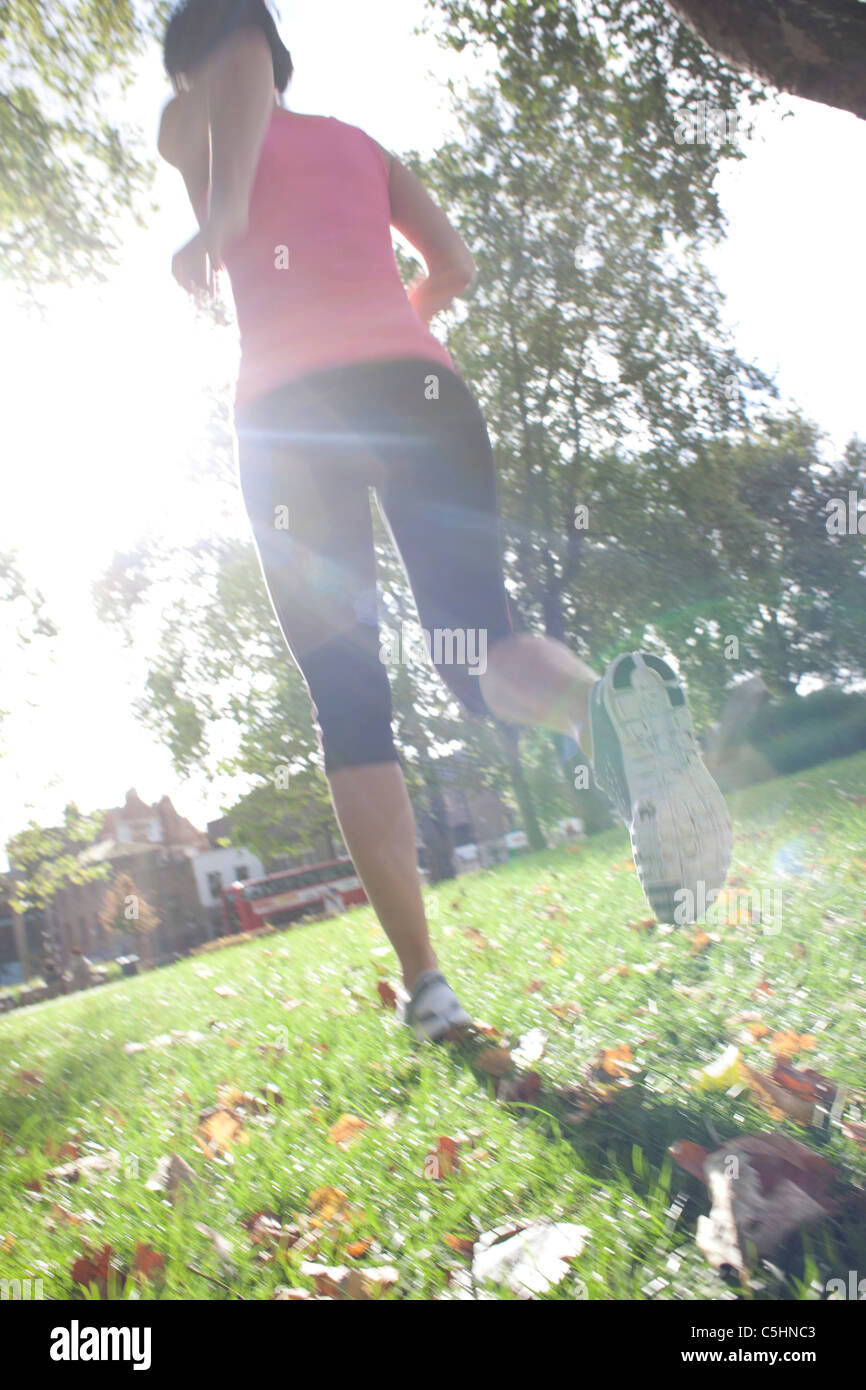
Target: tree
(68, 168)
(810, 48)
(595, 344)
(46, 859)
(632, 74)
(125, 912)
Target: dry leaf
(95, 1267)
(147, 1262)
(170, 1174)
(496, 1061)
(387, 994)
(531, 1261)
(83, 1167)
(530, 1048)
(614, 1061)
(788, 1044)
(327, 1204)
(218, 1130)
(346, 1130)
(443, 1159)
(464, 1245)
(763, 1187)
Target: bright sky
(103, 404)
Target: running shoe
(646, 759)
(432, 1010)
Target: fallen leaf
(147, 1262)
(762, 1187)
(387, 994)
(758, 1030)
(95, 1267)
(218, 1130)
(614, 1061)
(496, 1061)
(805, 1082)
(530, 1048)
(328, 1204)
(83, 1167)
(464, 1245)
(722, 1073)
(518, 1090)
(780, 1100)
(346, 1130)
(788, 1044)
(442, 1160)
(531, 1261)
(171, 1173)
(338, 1281)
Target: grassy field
(558, 942)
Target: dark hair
(197, 27)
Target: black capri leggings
(308, 453)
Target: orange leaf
(346, 1130)
(147, 1262)
(788, 1044)
(358, 1248)
(328, 1204)
(442, 1160)
(94, 1268)
(218, 1130)
(689, 1156)
(464, 1245)
(805, 1082)
(387, 994)
(758, 1030)
(612, 1057)
(779, 1099)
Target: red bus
(284, 897)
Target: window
(242, 872)
(215, 883)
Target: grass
(550, 941)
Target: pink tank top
(314, 279)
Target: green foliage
(631, 72)
(125, 911)
(46, 859)
(804, 730)
(68, 168)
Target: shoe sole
(648, 761)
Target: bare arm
(238, 81)
(450, 267)
(213, 134)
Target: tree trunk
(436, 832)
(810, 48)
(534, 834)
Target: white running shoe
(433, 1008)
(647, 760)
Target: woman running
(343, 387)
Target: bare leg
(378, 826)
(538, 681)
